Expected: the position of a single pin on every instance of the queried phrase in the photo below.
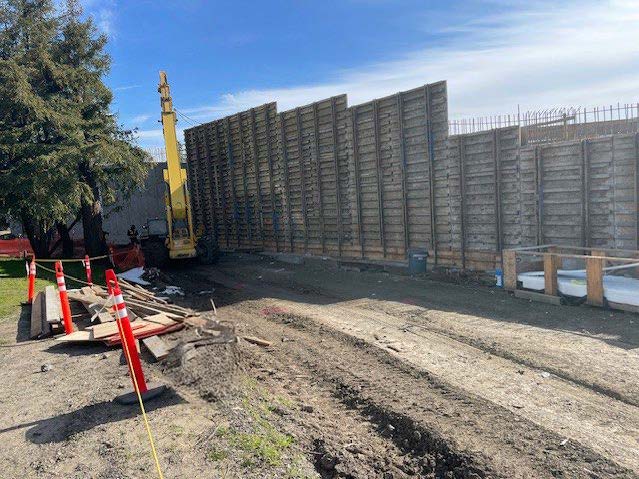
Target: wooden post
(510, 269)
(550, 274)
(594, 281)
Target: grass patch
(266, 445)
(214, 454)
(13, 282)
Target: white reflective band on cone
(122, 313)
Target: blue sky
(226, 56)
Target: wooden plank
(140, 333)
(531, 295)
(550, 274)
(156, 346)
(631, 308)
(160, 318)
(37, 314)
(83, 336)
(594, 280)
(510, 269)
(52, 307)
(579, 256)
(104, 330)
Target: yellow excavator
(174, 237)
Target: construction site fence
(378, 180)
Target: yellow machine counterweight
(180, 240)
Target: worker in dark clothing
(133, 235)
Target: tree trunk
(94, 241)
(38, 237)
(65, 237)
(91, 211)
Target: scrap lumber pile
(94, 319)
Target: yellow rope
(137, 391)
(66, 275)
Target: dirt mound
(207, 360)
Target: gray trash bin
(417, 260)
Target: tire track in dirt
(562, 345)
(607, 426)
(466, 433)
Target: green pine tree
(62, 153)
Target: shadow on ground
(62, 427)
(326, 283)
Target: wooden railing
(553, 257)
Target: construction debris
(94, 320)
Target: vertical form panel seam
(637, 189)
(269, 153)
(585, 202)
(614, 191)
(431, 173)
(360, 229)
(319, 175)
(298, 119)
(287, 186)
(227, 223)
(402, 151)
(212, 184)
(380, 180)
(337, 177)
(256, 160)
(462, 153)
(497, 173)
(539, 169)
(247, 204)
(231, 162)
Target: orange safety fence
(15, 247)
(127, 257)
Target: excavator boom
(181, 240)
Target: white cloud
(103, 13)
(138, 119)
(126, 87)
(581, 52)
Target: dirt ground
(368, 375)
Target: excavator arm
(180, 240)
